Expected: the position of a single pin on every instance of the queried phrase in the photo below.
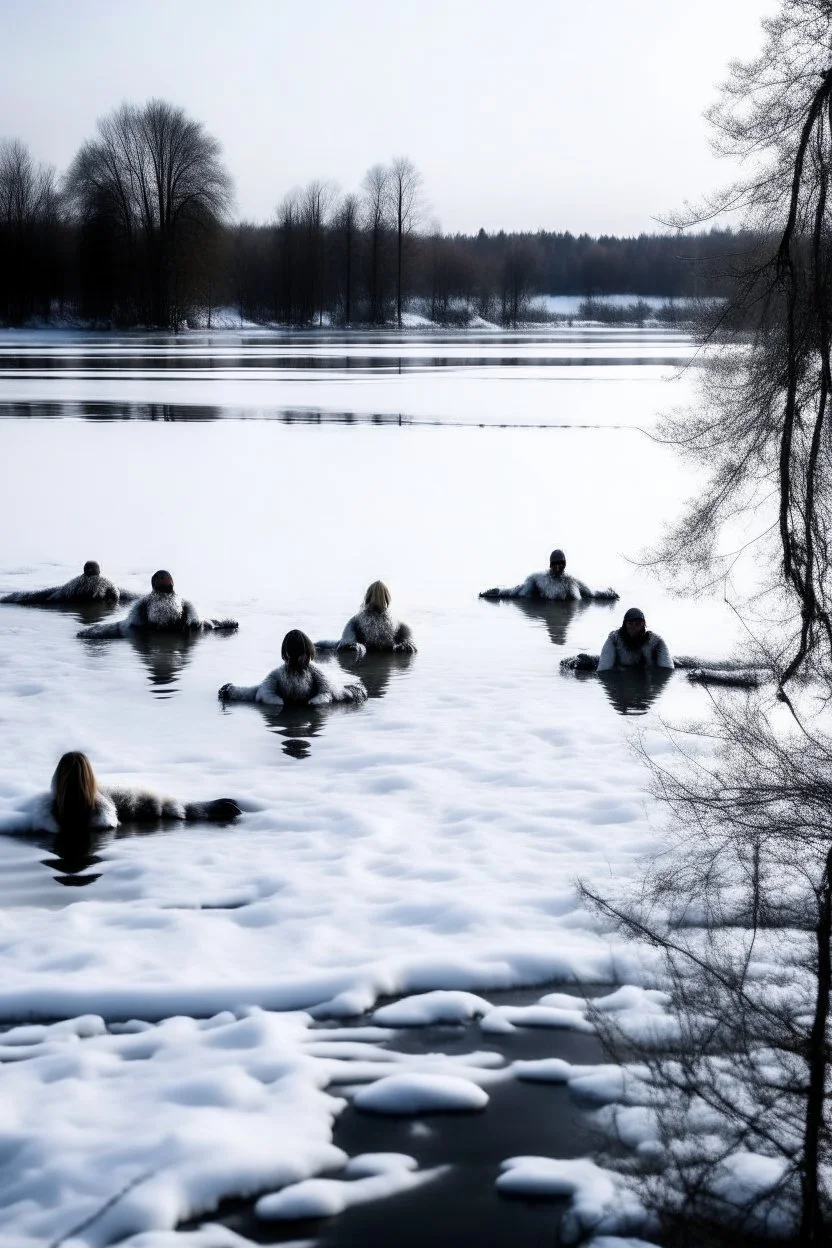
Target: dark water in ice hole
(462, 1207)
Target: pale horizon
(586, 121)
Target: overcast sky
(521, 114)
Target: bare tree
(156, 178)
(405, 185)
(760, 428)
(376, 202)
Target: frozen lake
(429, 839)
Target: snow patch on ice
(599, 1200)
(420, 1094)
(372, 1177)
(432, 1007)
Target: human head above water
(74, 789)
(557, 562)
(161, 582)
(91, 568)
(634, 622)
(377, 596)
(297, 650)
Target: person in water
(162, 610)
(77, 803)
(299, 681)
(89, 587)
(553, 586)
(374, 628)
(632, 646)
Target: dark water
(461, 1207)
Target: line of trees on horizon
(138, 232)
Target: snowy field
(163, 1007)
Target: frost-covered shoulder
(530, 588)
(269, 691)
(105, 811)
(350, 634)
(190, 615)
(137, 615)
(35, 815)
(606, 661)
(661, 654)
(336, 685)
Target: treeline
(137, 232)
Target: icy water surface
(429, 839)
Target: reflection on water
(165, 655)
(375, 669)
(313, 378)
(634, 692)
(555, 617)
(83, 612)
(74, 851)
(298, 725)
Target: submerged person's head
(161, 582)
(377, 597)
(634, 627)
(74, 789)
(91, 568)
(557, 563)
(297, 650)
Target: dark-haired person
(76, 802)
(299, 681)
(89, 587)
(553, 586)
(162, 610)
(374, 628)
(633, 646)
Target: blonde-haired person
(374, 628)
(76, 802)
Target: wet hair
(377, 596)
(160, 576)
(297, 650)
(91, 568)
(557, 556)
(74, 790)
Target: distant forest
(138, 232)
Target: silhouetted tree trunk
(405, 187)
(376, 189)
